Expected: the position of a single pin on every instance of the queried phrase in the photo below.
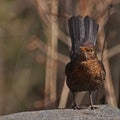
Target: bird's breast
(85, 74)
(90, 67)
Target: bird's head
(87, 52)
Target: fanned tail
(76, 29)
(91, 29)
(82, 30)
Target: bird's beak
(82, 48)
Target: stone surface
(102, 112)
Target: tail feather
(82, 30)
(91, 29)
(75, 29)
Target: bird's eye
(90, 50)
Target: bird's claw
(92, 108)
(75, 107)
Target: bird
(84, 71)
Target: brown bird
(84, 72)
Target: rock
(102, 112)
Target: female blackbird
(84, 72)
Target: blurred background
(35, 46)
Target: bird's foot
(92, 107)
(75, 107)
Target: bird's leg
(74, 106)
(97, 95)
(91, 101)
